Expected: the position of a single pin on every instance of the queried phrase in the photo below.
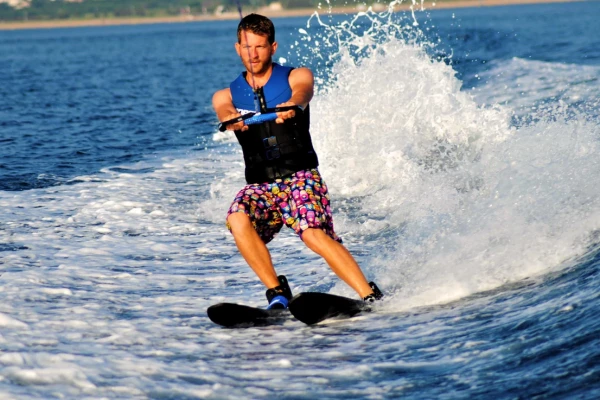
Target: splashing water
(453, 196)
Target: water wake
(458, 197)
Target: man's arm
(223, 105)
(302, 83)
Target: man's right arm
(223, 105)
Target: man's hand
(282, 116)
(238, 126)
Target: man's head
(256, 43)
(257, 24)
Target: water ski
(236, 315)
(313, 307)
(307, 307)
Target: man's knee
(314, 238)
(237, 221)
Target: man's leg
(339, 259)
(252, 248)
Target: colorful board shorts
(300, 201)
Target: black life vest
(273, 151)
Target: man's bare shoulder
(222, 98)
(301, 73)
(223, 94)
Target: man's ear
(273, 48)
(238, 48)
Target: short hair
(257, 24)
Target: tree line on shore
(39, 10)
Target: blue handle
(254, 118)
(260, 118)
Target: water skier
(283, 183)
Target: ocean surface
(462, 152)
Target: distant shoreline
(427, 5)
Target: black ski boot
(279, 296)
(376, 295)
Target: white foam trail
(528, 85)
(460, 200)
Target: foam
(531, 87)
(459, 197)
(7, 322)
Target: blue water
(461, 151)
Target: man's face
(255, 52)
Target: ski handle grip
(258, 118)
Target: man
(284, 185)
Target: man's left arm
(302, 83)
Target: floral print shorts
(300, 201)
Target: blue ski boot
(279, 296)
